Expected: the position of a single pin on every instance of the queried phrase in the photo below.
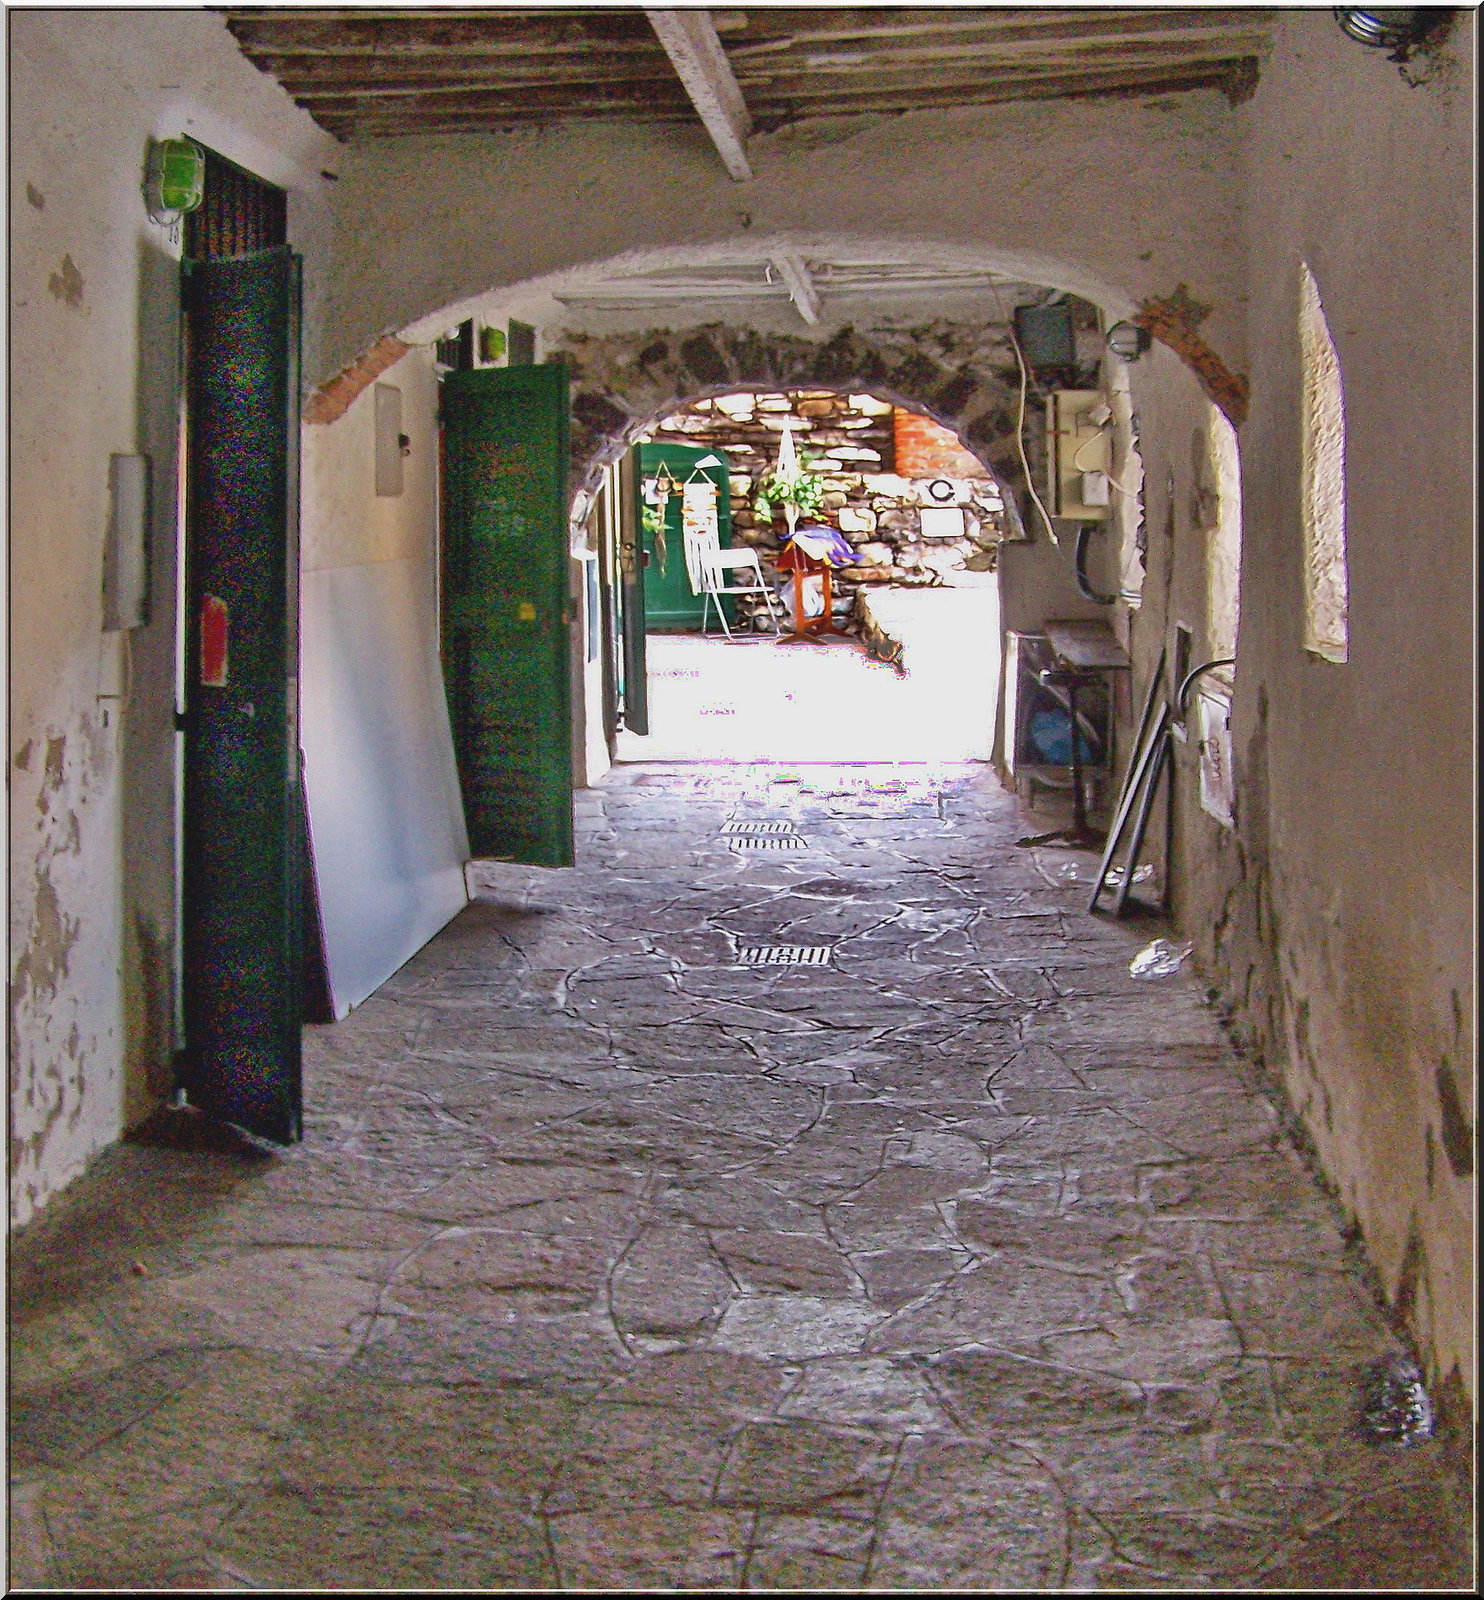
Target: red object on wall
(924, 450)
(213, 642)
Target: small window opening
(1224, 542)
(1326, 579)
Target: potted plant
(791, 485)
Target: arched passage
(944, 350)
(962, 376)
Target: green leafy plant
(803, 490)
(654, 525)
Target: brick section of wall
(1174, 321)
(924, 450)
(332, 400)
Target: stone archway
(964, 376)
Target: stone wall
(851, 438)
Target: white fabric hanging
(699, 522)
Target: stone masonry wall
(852, 440)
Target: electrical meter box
(1079, 455)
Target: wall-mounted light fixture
(1398, 29)
(174, 179)
(1127, 340)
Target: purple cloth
(823, 543)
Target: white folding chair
(715, 572)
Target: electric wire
(1084, 533)
(1191, 676)
(1025, 465)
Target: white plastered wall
(1369, 765)
(94, 372)
(1111, 200)
(1337, 917)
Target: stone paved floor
(964, 1260)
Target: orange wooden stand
(808, 630)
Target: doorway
(242, 877)
(909, 670)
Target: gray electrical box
(126, 549)
(1045, 335)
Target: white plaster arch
(1119, 201)
(1014, 269)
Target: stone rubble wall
(853, 438)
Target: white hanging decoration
(700, 523)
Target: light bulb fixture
(174, 179)
(1398, 29)
(1127, 340)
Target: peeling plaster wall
(1114, 200)
(94, 371)
(1337, 919)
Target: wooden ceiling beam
(795, 274)
(695, 51)
(810, 87)
(650, 97)
(368, 33)
(1076, 53)
(789, 28)
(1232, 78)
(317, 88)
(365, 72)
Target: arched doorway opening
(905, 665)
(951, 360)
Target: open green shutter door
(241, 916)
(506, 610)
(631, 596)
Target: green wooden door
(242, 877)
(633, 659)
(670, 605)
(506, 610)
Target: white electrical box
(388, 439)
(1079, 455)
(126, 553)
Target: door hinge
(182, 722)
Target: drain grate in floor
(760, 828)
(770, 841)
(784, 955)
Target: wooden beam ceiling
(382, 72)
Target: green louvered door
(242, 876)
(506, 610)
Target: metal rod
(1161, 750)
(1131, 779)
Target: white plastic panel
(385, 818)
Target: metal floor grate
(784, 955)
(759, 828)
(772, 841)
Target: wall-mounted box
(388, 401)
(1046, 336)
(126, 549)
(1078, 455)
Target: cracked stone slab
(795, 1326)
(967, 1262)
